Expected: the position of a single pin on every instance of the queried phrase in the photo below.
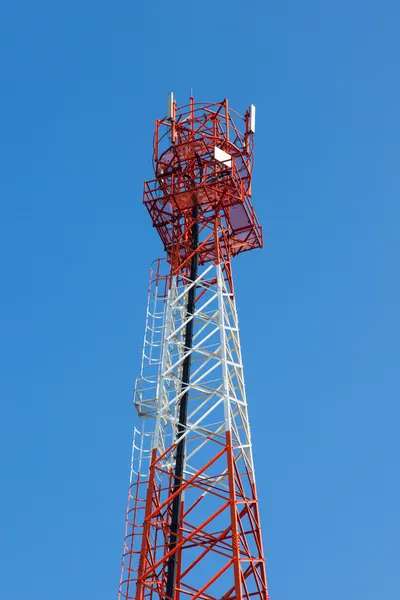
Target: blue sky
(81, 84)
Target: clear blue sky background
(81, 84)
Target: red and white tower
(192, 525)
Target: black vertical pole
(183, 411)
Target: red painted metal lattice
(194, 531)
(187, 171)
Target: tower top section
(203, 161)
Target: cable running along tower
(192, 523)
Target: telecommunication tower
(192, 523)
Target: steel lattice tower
(192, 524)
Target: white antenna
(252, 118)
(223, 157)
(170, 106)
